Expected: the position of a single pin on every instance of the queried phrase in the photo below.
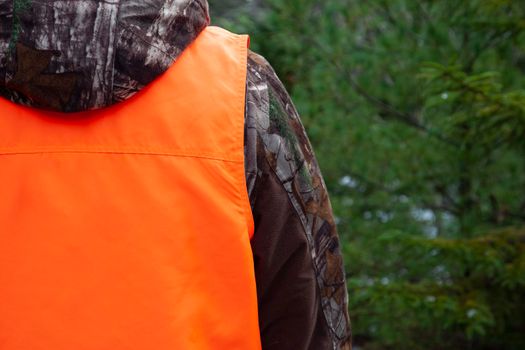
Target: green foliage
(416, 110)
(493, 117)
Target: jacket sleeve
(299, 270)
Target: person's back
(129, 224)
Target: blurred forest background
(416, 110)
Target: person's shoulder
(258, 62)
(272, 118)
(259, 68)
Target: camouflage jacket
(87, 54)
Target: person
(158, 187)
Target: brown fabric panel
(290, 312)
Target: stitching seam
(7, 152)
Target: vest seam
(247, 214)
(134, 152)
(245, 198)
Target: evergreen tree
(416, 109)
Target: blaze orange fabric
(129, 227)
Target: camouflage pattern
(274, 131)
(90, 53)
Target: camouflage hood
(77, 55)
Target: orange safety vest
(129, 227)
